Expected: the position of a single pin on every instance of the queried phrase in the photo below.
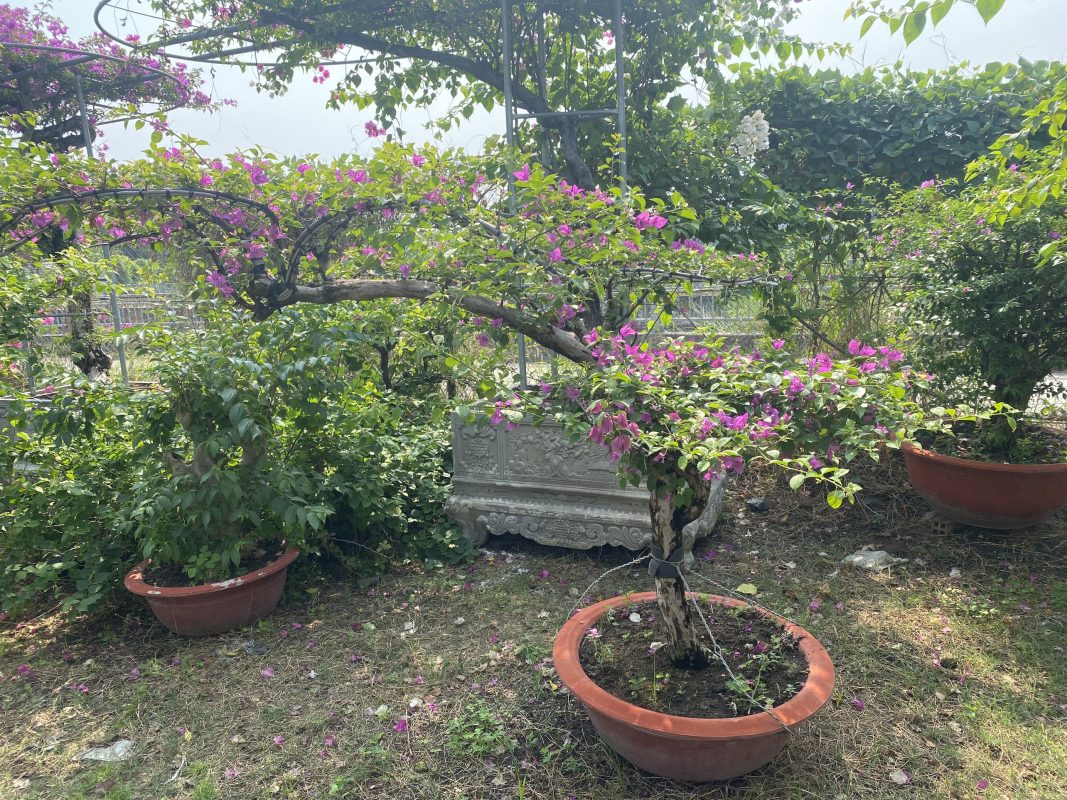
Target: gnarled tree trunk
(669, 521)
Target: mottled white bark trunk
(683, 647)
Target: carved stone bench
(535, 482)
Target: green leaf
(913, 26)
(797, 481)
(747, 588)
(866, 26)
(989, 8)
(676, 103)
(939, 10)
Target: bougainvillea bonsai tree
(273, 233)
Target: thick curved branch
(82, 198)
(350, 289)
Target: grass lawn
(439, 684)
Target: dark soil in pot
(623, 658)
(172, 576)
(1035, 444)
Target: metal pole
(116, 321)
(87, 136)
(620, 94)
(542, 79)
(31, 384)
(509, 123)
(509, 110)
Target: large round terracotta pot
(987, 495)
(689, 748)
(214, 607)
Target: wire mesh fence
(128, 306)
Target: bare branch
(547, 335)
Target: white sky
(299, 123)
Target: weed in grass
(479, 732)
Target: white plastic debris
(635, 617)
(117, 751)
(874, 560)
(955, 572)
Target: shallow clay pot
(214, 607)
(689, 748)
(987, 495)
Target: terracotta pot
(214, 607)
(987, 495)
(689, 748)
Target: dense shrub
(828, 128)
(66, 475)
(255, 433)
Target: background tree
(563, 50)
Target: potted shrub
(219, 513)
(676, 415)
(987, 307)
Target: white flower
(753, 137)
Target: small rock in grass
(758, 505)
(874, 560)
(116, 751)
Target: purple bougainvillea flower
(401, 725)
(814, 606)
(857, 704)
(330, 741)
(982, 785)
(231, 773)
(278, 740)
(761, 647)
(135, 673)
(268, 672)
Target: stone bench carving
(535, 482)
